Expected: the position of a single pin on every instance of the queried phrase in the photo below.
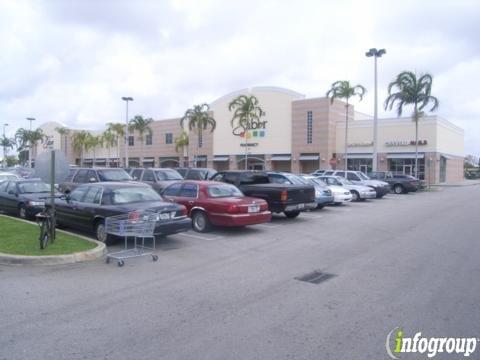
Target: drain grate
(315, 277)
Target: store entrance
(364, 168)
(256, 166)
(407, 169)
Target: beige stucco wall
(450, 139)
(277, 105)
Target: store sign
(48, 143)
(361, 144)
(406, 143)
(254, 129)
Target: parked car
(323, 195)
(340, 193)
(157, 178)
(86, 207)
(8, 176)
(318, 172)
(399, 183)
(358, 177)
(286, 198)
(359, 192)
(196, 173)
(79, 176)
(23, 197)
(214, 203)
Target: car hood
(336, 188)
(375, 183)
(358, 187)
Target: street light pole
(127, 135)
(30, 152)
(4, 147)
(376, 54)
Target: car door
(137, 174)
(172, 192)
(11, 197)
(149, 178)
(187, 196)
(88, 207)
(3, 194)
(354, 177)
(66, 210)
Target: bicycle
(45, 222)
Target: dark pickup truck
(399, 183)
(286, 198)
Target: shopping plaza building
(295, 134)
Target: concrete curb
(92, 254)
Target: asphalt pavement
(409, 261)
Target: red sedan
(215, 203)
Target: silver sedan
(359, 192)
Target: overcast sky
(72, 61)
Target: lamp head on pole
(375, 52)
(127, 98)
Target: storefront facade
(294, 134)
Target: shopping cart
(137, 225)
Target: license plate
(164, 216)
(300, 206)
(253, 208)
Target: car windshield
(113, 175)
(332, 181)
(33, 187)
(220, 190)
(320, 182)
(362, 176)
(134, 194)
(163, 175)
(296, 180)
(344, 181)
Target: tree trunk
(416, 142)
(246, 143)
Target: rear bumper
(173, 226)
(233, 220)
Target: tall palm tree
(109, 139)
(28, 139)
(412, 91)
(79, 141)
(119, 130)
(138, 123)
(246, 110)
(64, 132)
(91, 143)
(198, 118)
(6, 143)
(344, 91)
(182, 142)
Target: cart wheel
(120, 263)
(154, 257)
(107, 260)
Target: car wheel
(22, 211)
(101, 233)
(355, 196)
(291, 214)
(398, 189)
(200, 221)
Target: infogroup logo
(397, 344)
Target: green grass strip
(21, 238)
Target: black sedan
(86, 208)
(24, 198)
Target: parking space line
(311, 216)
(200, 237)
(267, 225)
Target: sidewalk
(465, 182)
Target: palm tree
(119, 130)
(92, 141)
(412, 91)
(109, 139)
(198, 118)
(79, 141)
(6, 143)
(138, 123)
(27, 139)
(344, 91)
(182, 142)
(64, 132)
(247, 110)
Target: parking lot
(405, 260)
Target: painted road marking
(200, 236)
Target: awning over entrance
(281, 157)
(148, 160)
(405, 156)
(360, 156)
(200, 158)
(221, 158)
(309, 157)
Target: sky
(71, 61)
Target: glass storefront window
(363, 165)
(407, 167)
